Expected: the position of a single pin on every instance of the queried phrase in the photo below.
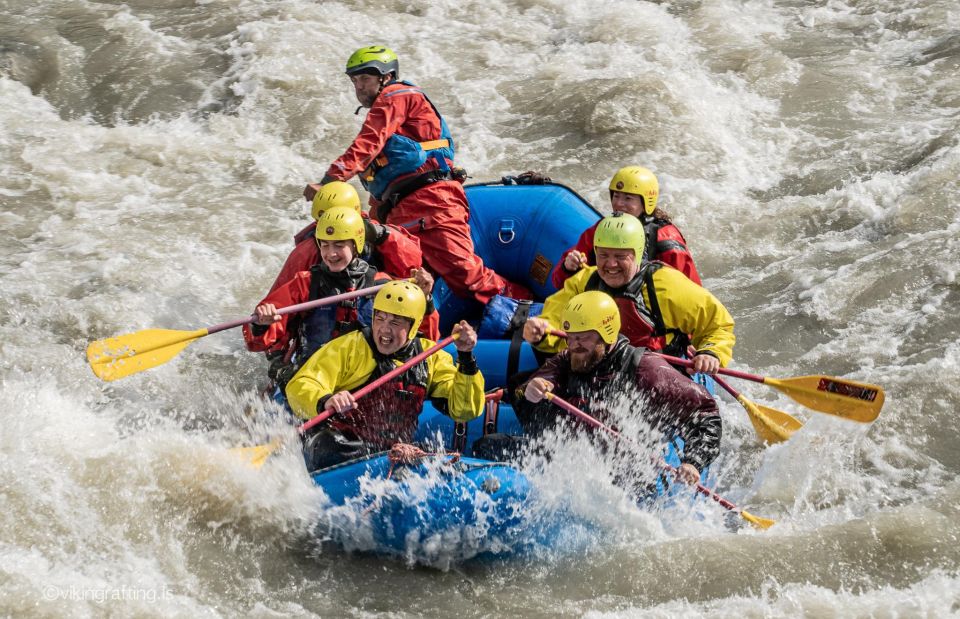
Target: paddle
(121, 356)
(826, 394)
(258, 454)
(763, 523)
(771, 425)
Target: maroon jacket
(673, 404)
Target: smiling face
(629, 203)
(616, 266)
(390, 332)
(337, 255)
(586, 348)
(366, 87)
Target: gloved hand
(374, 233)
(311, 190)
(532, 178)
(281, 371)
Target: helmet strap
(385, 80)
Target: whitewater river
(152, 155)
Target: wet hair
(659, 213)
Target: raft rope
(405, 454)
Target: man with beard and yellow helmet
(389, 414)
(601, 373)
(634, 190)
(661, 309)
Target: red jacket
(396, 255)
(407, 113)
(669, 247)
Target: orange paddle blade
(120, 356)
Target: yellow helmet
(621, 231)
(341, 223)
(638, 181)
(402, 298)
(592, 311)
(335, 193)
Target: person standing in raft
(634, 190)
(340, 239)
(387, 248)
(600, 367)
(388, 415)
(404, 156)
(659, 306)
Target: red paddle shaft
(579, 414)
(299, 307)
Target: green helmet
(377, 57)
(621, 231)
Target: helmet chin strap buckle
(356, 112)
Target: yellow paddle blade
(116, 357)
(258, 455)
(757, 521)
(771, 425)
(835, 396)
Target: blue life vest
(402, 155)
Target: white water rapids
(152, 155)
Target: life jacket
(402, 155)
(651, 226)
(390, 414)
(655, 245)
(642, 325)
(322, 324)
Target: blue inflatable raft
(471, 506)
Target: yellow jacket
(347, 362)
(684, 306)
